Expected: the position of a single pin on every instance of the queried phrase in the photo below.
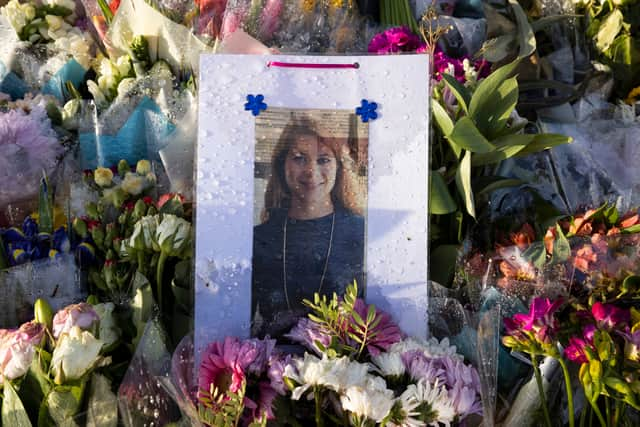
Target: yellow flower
(634, 96)
(143, 167)
(103, 177)
(308, 5)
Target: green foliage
(472, 136)
(223, 409)
(614, 28)
(13, 412)
(350, 333)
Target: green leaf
(496, 49)
(440, 201)
(548, 21)
(64, 403)
(526, 38)
(463, 182)
(544, 141)
(561, 247)
(496, 156)
(442, 119)
(102, 408)
(36, 384)
(494, 99)
(13, 413)
(45, 206)
(536, 254)
(461, 93)
(371, 314)
(609, 29)
(106, 10)
(466, 135)
(443, 262)
(631, 230)
(611, 215)
(357, 318)
(488, 185)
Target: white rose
(75, 353)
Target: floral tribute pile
(358, 369)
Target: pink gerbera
(224, 365)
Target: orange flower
(549, 238)
(524, 237)
(629, 220)
(584, 258)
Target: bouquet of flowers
(358, 370)
(52, 48)
(55, 366)
(29, 146)
(127, 236)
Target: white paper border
(397, 217)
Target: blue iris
(255, 104)
(367, 110)
(27, 244)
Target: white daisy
(389, 364)
(437, 397)
(431, 348)
(368, 403)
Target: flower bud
(103, 177)
(123, 168)
(92, 210)
(140, 209)
(43, 313)
(143, 167)
(134, 184)
(80, 227)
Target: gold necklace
(284, 256)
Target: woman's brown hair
(346, 193)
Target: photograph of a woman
(310, 234)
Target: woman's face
(310, 170)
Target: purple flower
(307, 332)
(393, 40)
(224, 365)
(419, 366)
(264, 349)
(386, 332)
(540, 314)
(277, 363)
(608, 316)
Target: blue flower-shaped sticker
(255, 104)
(367, 110)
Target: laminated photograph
(311, 176)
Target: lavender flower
(307, 333)
(419, 367)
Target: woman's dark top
(306, 253)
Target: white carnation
(368, 402)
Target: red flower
(114, 5)
(169, 196)
(148, 200)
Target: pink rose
(17, 349)
(82, 315)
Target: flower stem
(316, 395)
(536, 371)
(159, 274)
(567, 383)
(594, 405)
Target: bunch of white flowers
(110, 76)
(18, 14)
